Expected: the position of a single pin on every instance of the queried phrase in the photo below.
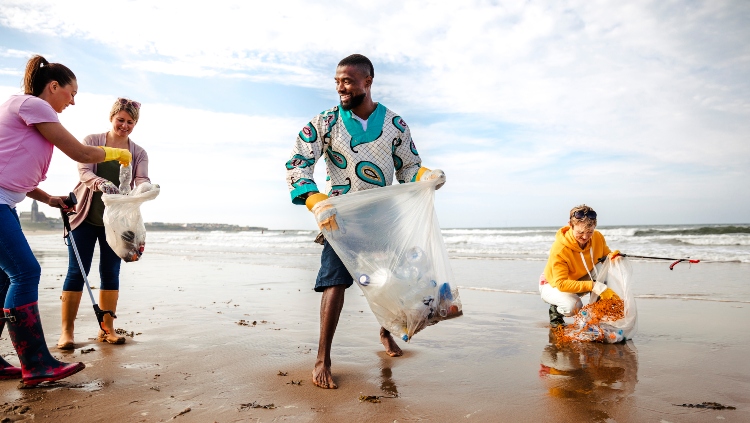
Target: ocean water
(503, 259)
(708, 243)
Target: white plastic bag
(123, 224)
(390, 241)
(618, 275)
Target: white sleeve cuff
(599, 288)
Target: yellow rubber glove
(420, 173)
(609, 294)
(120, 154)
(314, 199)
(604, 292)
(614, 254)
(325, 215)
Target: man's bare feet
(391, 348)
(321, 377)
(330, 309)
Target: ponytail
(40, 72)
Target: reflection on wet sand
(387, 385)
(588, 380)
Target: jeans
(85, 237)
(19, 277)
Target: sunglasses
(125, 102)
(579, 214)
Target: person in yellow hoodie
(571, 268)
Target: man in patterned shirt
(363, 144)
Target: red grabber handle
(671, 266)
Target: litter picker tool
(671, 266)
(70, 202)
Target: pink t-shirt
(24, 153)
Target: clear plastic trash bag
(123, 224)
(390, 241)
(618, 275)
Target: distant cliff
(201, 227)
(36, 221)
(56, 224)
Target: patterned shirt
(356, 159)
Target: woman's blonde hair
(133, 108)
(588, 216)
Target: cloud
(9, 52)
(10, 71)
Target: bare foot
(391, 348)
(66, 342)
(321, 377)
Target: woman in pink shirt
(29, 131)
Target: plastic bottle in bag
(363, 279)
(417, 258)
(446, 299)
(375, 279)
(584, 319)
(414, 266)
(614, 335)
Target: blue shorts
(332, 271)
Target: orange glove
(614, 254)
(325, 214)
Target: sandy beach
(215, 337)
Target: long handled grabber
(70, 202)
(671, 266)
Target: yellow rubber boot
(108, 301)
(70, 300)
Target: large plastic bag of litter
(608, 321)
(123, 224)
(390, 241)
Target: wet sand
(189, 359)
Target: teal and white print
(300, 161)
(337, 159)
(397, 162)
(399, 123)
(308, 133)
(371, 173)
(356, 160)
(340, 189)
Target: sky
(640, 109)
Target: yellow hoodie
(565, 266)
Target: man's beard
(354, 101)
